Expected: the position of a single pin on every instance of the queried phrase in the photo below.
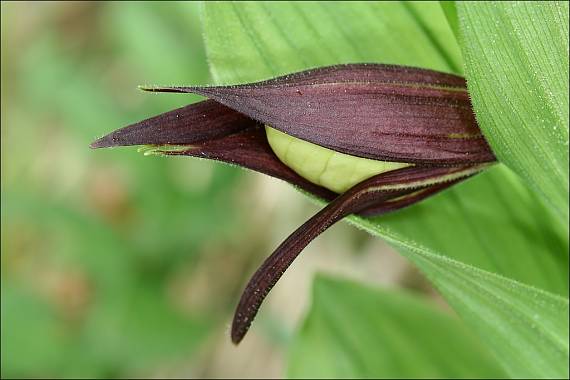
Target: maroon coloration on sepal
(194, 123)
(249, 149)
(362, 198)
(213, 131)
(390, 113)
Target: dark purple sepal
(382, 112)
(194, 123)
(249, 149)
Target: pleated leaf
(516, 59)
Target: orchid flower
(367, 138)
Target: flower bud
(369, 138)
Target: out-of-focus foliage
(98, 250)
(390, 335)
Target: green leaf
(450, 10)
(489, 224)
(516, 59)
(284, 37)
(353, 331)
(525, 327)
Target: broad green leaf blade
(290, 36)
(353, 331)
(494, 223)
(516, 59)
(525, 327)
(491, 222)
(450, 10)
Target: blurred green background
(119, 265)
